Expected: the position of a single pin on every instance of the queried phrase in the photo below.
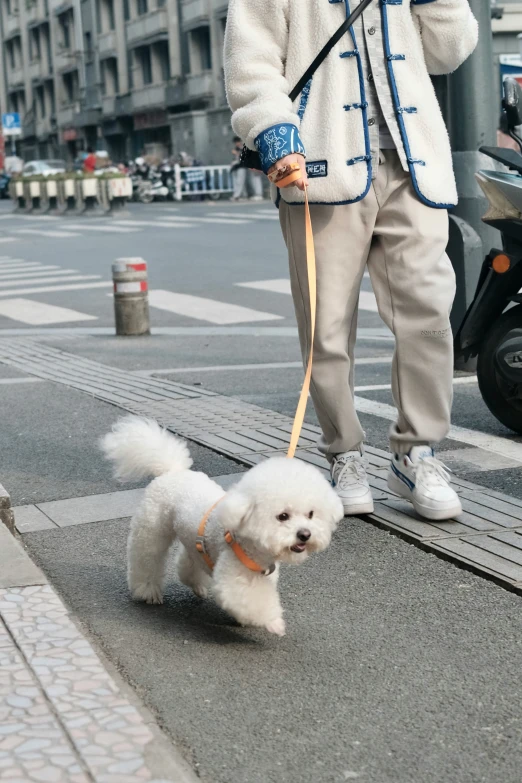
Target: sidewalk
(398, 667)
(64, 718)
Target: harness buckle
(200, 545)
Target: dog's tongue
(298, 547)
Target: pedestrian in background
(239, 174)
(89, 163)
(379, 164)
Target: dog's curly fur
(270, 511)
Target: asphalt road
(397, 667)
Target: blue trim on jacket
(422, 2)
(277, 142)
(400, 113)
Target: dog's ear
(234, 509)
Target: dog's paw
(200, 591)
(151, 594)
(277, 626)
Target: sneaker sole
(433, 514)
(354, 510)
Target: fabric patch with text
(317, 168)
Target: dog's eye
(284, 517)
(310, 515)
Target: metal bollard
(131, 296)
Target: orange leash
(295, 174)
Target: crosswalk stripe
(67, 279)
(250, 215)
(54, 234)
(281, 286)
(226, 221)
(4, 240)
(43, 271)
(175, 218)
(27, 311)
(18, 264)
(203, 309)
(51, 288)
(367, 299)
(109, 228)
(169, 224)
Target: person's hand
(301, 183)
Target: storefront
(151, 134)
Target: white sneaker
(351, 483)
(424, 480)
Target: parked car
(5, 179)
(44, 167)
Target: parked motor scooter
(492, 326)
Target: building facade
(127, 76)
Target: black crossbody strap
(325, 51)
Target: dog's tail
(140, 448)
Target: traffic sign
(11, 124)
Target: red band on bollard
(138, 267)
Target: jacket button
(372, 31)
(371, 121)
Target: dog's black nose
(303, 534)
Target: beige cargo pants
(403, 243)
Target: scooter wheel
(501, 397)
(146, 197)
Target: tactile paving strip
(486, 538)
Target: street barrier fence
(71, 195)
(194, 181)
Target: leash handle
(312, 292)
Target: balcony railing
(193, 11)
(15, 76)
(148, 26)
(66, 114)
(11, 24)
(39, 69)
(65, 58)
(107, 44)
(199, 85)
(43, 127)
(148, 97)
(109, 105)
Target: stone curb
(6, 513)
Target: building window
(34, 44)
(146, 64)
(164, 59)
(200, 52)
(65, 23)
(40, 99)
(50, 93)
(126, 10)
(71, 86)
(11, 54)
(143, 6)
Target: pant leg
(342, 238)
(414, 284)
(239, 181)
(256, 183)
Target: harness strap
(244, 558)
(200, 540)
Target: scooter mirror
(513, 103)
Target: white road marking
(39, 314)
(492, 443)
(367, 299)
(19, 265)
(43, 271)
(250, 215)
(108, 228)
(264, 366)
(8, 239)
(67, 279)
(460, 381)
(173, 218)
(170, 224)
(228, 221)
(51, 288)
(39, 233)
(280, 286)
(8, 381)
(480, 460)
(206, 309)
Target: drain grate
(486, 538)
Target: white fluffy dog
(279, 511)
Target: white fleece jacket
(270, 43)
